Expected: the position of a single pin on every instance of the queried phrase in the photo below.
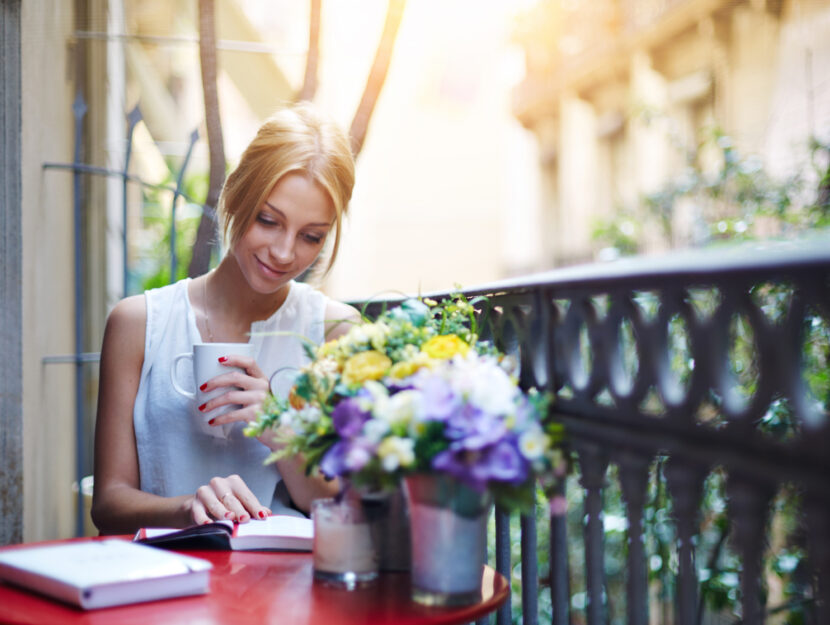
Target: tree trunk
(206, 235)
(309, 87)
(377, 75)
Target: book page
(277, 525)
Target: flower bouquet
(416, 396)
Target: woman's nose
(282, 249)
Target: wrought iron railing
(80, 358)
(678, 364)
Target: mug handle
(173, 379)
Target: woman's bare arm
(118, 504)
(304, 489)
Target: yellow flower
(329, 348)
(445, 347)
(369, 365)
(404, 369)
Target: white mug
(205, 359)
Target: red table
(260, 588)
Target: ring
(225, 496)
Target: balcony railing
(698, 372)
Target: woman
(153, 467)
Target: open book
(103, 573)
(277, 533)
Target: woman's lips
(270, 271)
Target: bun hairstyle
(295, 139)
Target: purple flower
(333, 462)
(501, 462)
(454, 463)
(346, 457)
(348, 418)
(504, 463)
(472, 428)
(439, 402)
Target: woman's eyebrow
(320, 224)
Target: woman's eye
(314, 239)
(264, 219)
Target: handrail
(738, 320)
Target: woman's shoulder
(126, 326)
(129, 311)
(134, 312)
(339, 318)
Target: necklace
(207, 316)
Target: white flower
(395, 452)
(377, 390)
(533, 443)
(400, 408)
(374, 430)
(491, 389)
(324, 368)
(376, 334)
(355, 338)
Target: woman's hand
(225, 498)
(247, 387)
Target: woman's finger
(243, 399)
(211, 498)
(249, 505)
(198, 514)
(247, 414)
(235, 379)
(248, 365)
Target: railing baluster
(79, 109)
(132, 120)
(817, 516)
(503, 616)
(748, 508)
(634, 482)
(530, 569)
(559, 573)
(685, 484)
(592, 466)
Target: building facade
(621, 95)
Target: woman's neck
(231, 302)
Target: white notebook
(102, 573)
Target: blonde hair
(295, 139)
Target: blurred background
(501, 138)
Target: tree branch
(377, 75)
(312, 61)
(206, 233)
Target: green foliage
(734, 200)
(431, 443)
(151, 267)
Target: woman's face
(287, 234)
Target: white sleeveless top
(174, 456)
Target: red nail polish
(203, 387)
(202, 407)
(261, 514)
(211, 421)
(223, 359)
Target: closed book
(102, 573)
(279, 532)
